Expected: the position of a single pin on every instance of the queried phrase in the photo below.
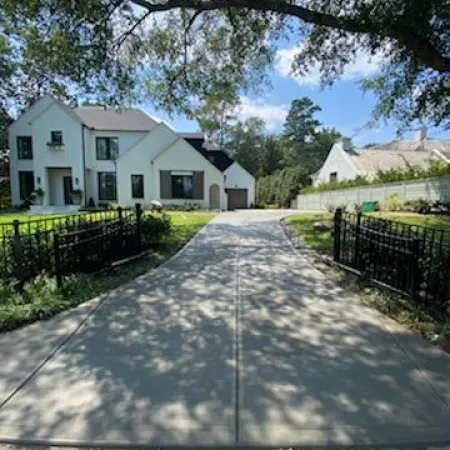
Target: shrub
(281, 187)
(183, 207)
(5, 195)
(393, 203)
(154, 227)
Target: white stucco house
(118, 156)
(347, 163)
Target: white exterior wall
(54, 118)
(38, 122)
(56, 186)
(432, 189)
(139, 161)
(140, 153)
(337, 161)
(238, 178)
(181, 156)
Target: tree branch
(122, 38)
(422, 47)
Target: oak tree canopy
(199, 56)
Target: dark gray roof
(217, 157)
(100, 118)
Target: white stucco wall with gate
(432, 189)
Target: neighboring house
(346, 163)
(118, 156)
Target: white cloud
(273, 115)
(363, 66)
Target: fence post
(138, 225)
(337, 234)
(120, 214)
(57, 250)
(17, 250)
(414, 268)
(357, 238)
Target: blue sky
(344, 106)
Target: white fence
(430, 189)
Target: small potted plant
(37, 196)
(77, 196)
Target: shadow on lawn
(157, 363)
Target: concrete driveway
(237, 340)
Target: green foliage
(303, 225)
(304, 142)
(302, 145)
(5, 194)
(188, 206)
(245, 142)
(300, 125)
(200, 56)
(41, 299)
(435, 169)
(281, 187)
(155, 226)
(272, 156)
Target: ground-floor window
(137, 186)
(26, 184)
(107, 186)
(182, 186)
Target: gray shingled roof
(399, 155)
(100, 118)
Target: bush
(393, 203)
(184, 207)
(281, 187)
(154, 227)
(5, 194)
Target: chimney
(346, 143)
(421, 133)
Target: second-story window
(56, 138)
(107, 148)
(24, 147)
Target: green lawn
(415, 316)
(41, 299)
(32, 221)
(23, 217)
(322, 240)
(430, 220)
(303, 226)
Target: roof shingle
(100, 118)
(401, 155)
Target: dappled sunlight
(163, 360)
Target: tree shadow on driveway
(165, 362)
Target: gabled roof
(427, 145)
(370, 162)
(209, 149)
(402, 154)
(100, 118)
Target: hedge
(436, 169)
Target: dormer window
(57, 138)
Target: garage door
(237, 198)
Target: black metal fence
(85, 242)
(410, 259)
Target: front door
(214, 197)
(68, 188)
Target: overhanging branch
(422, 47)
